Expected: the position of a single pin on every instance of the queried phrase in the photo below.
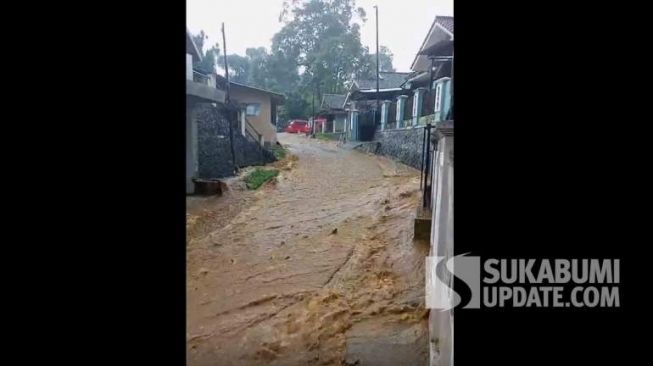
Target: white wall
(189, 66)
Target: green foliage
(279, 151)
(327, 136)
(256, 178)
(317, 51)
(238, 68)
(209, 57)
(368, 68)
(296, 107)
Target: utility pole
(313, 111)
(226, 65)
(378, 108)
(230, 109)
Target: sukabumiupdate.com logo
(531, 283)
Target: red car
(298, 126)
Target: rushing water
(319, 268)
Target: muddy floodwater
(317, 268)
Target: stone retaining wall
(404, 145)
(214, 153)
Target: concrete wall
(262, 122)
(213, 147)
(339, 122)
(191, 145)
(404, 145)
(442, 245)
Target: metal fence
(426, 173)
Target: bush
(327, 136)
(259, 176)
(279, 151)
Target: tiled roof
(387, 80)
(446, 22)
(333, 101)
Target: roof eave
(197, 54)
(434, 25)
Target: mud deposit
(318, 268)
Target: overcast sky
(252, 23)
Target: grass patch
(279, 151)
(323, 136)
(259, 176)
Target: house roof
(444, 48)
(387, 80)
(441, 31)
(280, 98)
(191, 47)
(446, 22)
(333, 101)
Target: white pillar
(385, 108)
(243, 122)
(442, 242)
(189, 67)
(417, 104)
(401, 105)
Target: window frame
(257, 112)
(438, 97)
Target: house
(200, 90)
(433, 67)
(332, 112)
(220, 140)
(360, 103)
(258, 114)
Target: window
(438, 97)
(253, 109)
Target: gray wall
(214, 153)
(404, 145)
(191, 145)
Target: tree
(209, 57)
(238, 68)
(258, 67)
(318, 50)
(368, 69)
(296, 106)
(322, 37)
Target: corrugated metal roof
(387, 80)
(333, 101)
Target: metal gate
(367, 125)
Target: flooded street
(319, 268)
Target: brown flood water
(269, 282)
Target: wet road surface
(319, 268)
